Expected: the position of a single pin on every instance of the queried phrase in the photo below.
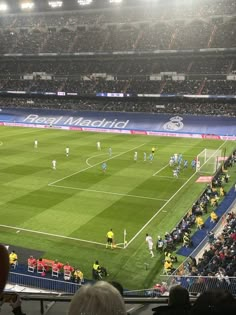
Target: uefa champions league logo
(174, 124)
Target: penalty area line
(107, 192)
(160, 169)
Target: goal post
(209, 161)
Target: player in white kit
(99, 145)
(67, 151)
(35, 143)
(54, 164)
(149, 241)
(135, 156)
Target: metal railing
(43, 283)
(199, 284)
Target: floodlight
(115, 1)
(55, 4)
(27, 5)
(84, 2)
(3, 7)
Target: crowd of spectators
(220, 259)
(202, 107)
(125, 67)
(129, 28)
(133, 87)
(193, 35)
(124, 14)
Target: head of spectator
(4, 270)
(179, 297)
(100, 298)
(118, 286)
(214, 302)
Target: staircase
(212, 36)
(173, 36)
(201, 87)
(163, 84)
(71, 47)
(140, 35)
(189, 67)
(230, 67)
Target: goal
(208, 161)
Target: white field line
(146, 224)
(51, 234)
(108, 192)
(91, 157)
(161, 169)
(85, 169)
(172, 177)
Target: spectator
(13, 259)
(100, 299)
(78, 276)
(214, 302)
(178, 303)
(199, 222)
(214, 217)
(4, 270)
(4, 263)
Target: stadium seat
(55, 272)
(31, 268)
(14, 264)
(67, 275)
(40, 268)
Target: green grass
(83, 203)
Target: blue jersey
(185, 163)
(151, 156)
(104, 166)
(193, 163)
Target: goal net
(208, 161)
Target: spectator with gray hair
(100, 299)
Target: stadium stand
(180, 50)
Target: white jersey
(35, 143)
(54, 164)
(99, 145)
(172, 161)
(145, 156)
(175, 173)
(198, 165)
(149, 241)
(67, 151)
(135, 156)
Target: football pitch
(66, 213)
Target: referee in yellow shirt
(110, 239)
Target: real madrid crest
(174, 124)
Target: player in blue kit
(193, 164)
(104, 167)
(185, 164)
(151, 157)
